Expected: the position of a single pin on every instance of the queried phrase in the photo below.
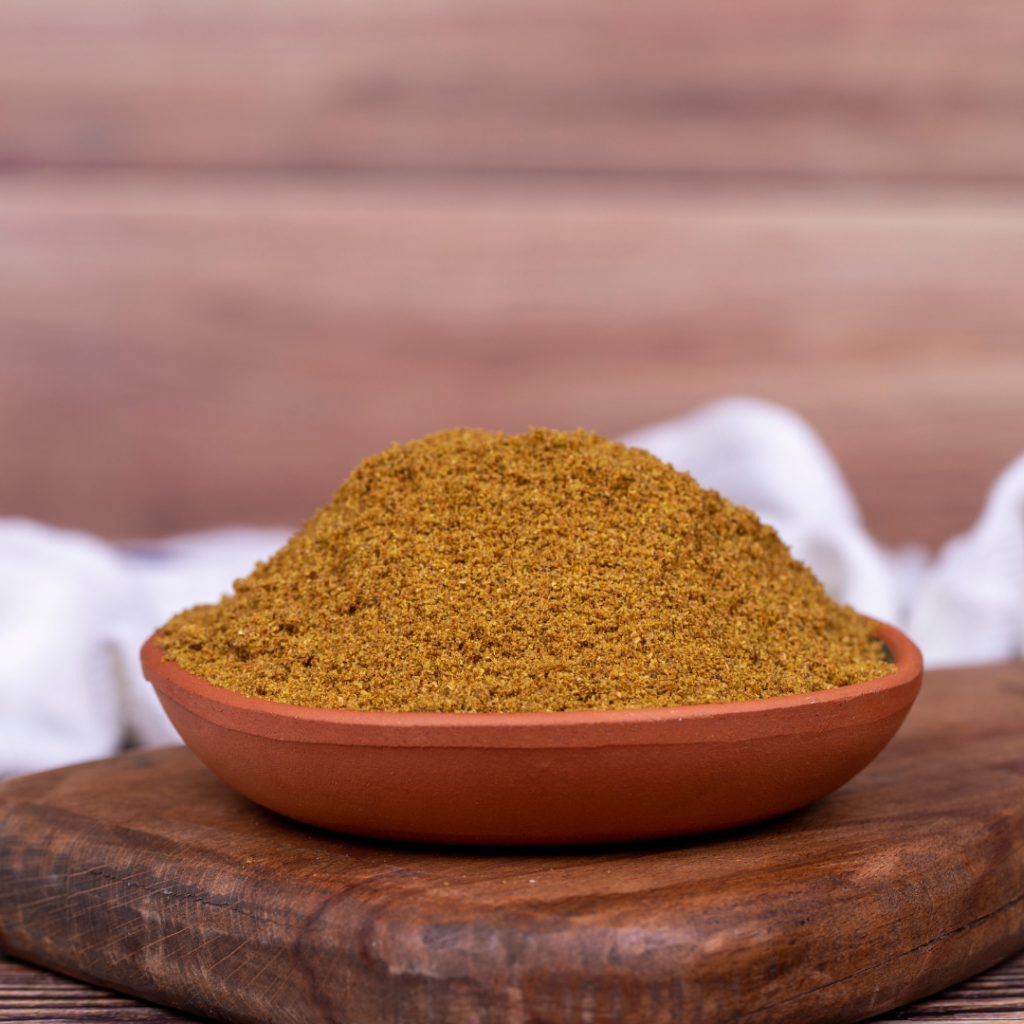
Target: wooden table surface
(29, 993)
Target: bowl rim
(789, 713)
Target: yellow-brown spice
(471, 572)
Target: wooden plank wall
(243, 245)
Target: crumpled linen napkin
(74, 610)
(970, 608)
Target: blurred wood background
(244, 245)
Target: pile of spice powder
(472, 571)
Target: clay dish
(540, 778)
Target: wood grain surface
(995, 995)
(918, 88)
(146, 874)
(243, 246)
(179, 353)
(30, 993)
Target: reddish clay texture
(542, 778)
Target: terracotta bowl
(539, 778)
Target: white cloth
(75, 610)
(62, 603)
(970, 609)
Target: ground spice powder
(471, 571)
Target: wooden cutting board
(145, 874)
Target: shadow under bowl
(539, 778)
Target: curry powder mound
(472, 571)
